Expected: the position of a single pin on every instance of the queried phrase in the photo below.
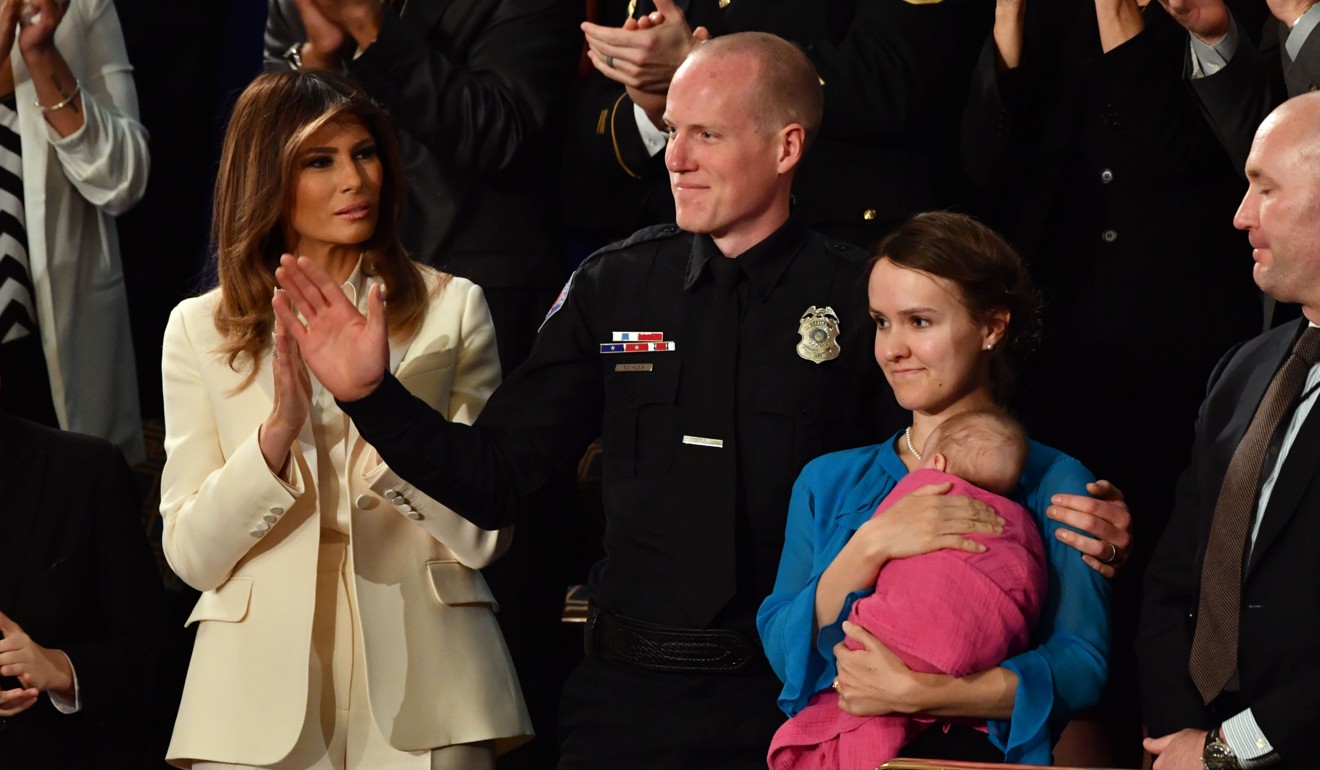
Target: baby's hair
(978, 442)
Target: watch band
(1217, 754)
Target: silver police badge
(819, 331)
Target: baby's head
(989, 449)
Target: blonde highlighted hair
(273, 118)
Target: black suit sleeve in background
(86, 584)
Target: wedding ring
(1113, 553)
(609, 62)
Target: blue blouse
(837, 493)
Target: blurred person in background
(72, 157)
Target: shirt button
(1106, 176)
(271, 518)
(257, 533)
(868, 215)
(1110, 236)
(364, 501)
(405, 508)
(390, 494)
(263, 526)
(278, 511)
(414, 515)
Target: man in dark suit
(79, 601)
(1230, 627)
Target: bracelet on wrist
(293, 56)
(65, 102)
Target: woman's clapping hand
(292, 403)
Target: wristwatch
(1218, 755)
(293, 55)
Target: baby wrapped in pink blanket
(949, 611)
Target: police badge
(819, 331)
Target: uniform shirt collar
(763, 264)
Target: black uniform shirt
(701, 442)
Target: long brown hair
(989, 275)
(272, 119)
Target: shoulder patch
(559, 301)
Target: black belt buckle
(665, 648)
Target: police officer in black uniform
(712, 380)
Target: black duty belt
(665, 648)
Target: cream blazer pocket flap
(228, 603)
(455, 585)
(427, 376)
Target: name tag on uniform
(633, 367)
(714, 443)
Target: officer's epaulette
(652, 233)
(847, 251)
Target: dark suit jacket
(1278, 664)
(1258, 78)
(472, 86)
(76, 573)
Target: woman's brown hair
(989, 275)
(272, 119)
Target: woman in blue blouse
(952, 306)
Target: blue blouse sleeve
(1067, 671)
(802, 657)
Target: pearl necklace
(907, 436)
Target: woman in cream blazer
(343, 622)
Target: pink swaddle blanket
(949, 611)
